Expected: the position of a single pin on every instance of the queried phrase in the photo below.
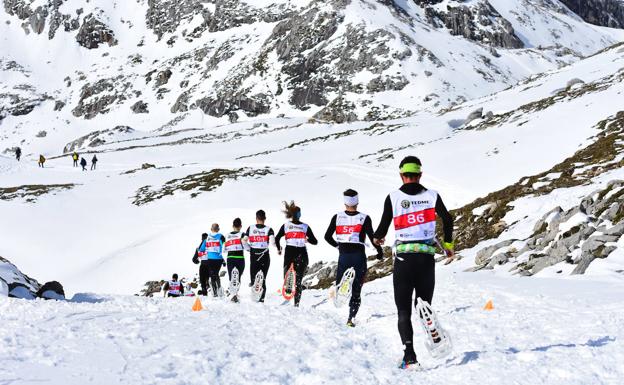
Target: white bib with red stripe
(174, 288)
(414, 215)
(295, 234)
(349, 227)
(213, 245)
(259, 237)
(233, 242)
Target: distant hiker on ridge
(75, 158)
(83, 163)
(93, 162)
(18, 153)
(42, 160)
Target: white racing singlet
(233, 242)
(349, 227)
(174, 288)
(414, 215)
(259, 237)
(295, 234)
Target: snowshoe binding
(234, 285)
(256, 287)
(344, 288)
(290, 287)
(437, 342)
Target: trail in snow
(541, 331)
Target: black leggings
(299, 257)
(356, 260)
(214, 267)
(412, 271)
(204, 276)
(259, 262)
(238, 263)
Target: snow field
(541, 331)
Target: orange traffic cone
(197, 306)
(489, 305)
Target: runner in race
(259, 237)
(235, 245)
(413, 210)
(173, 288)
(351, 228)
(213, 249)
(297, 234)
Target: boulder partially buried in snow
(51, 290)
(17, 290)
(18, 284)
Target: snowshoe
(234, 284)
(437, 342)
(256, 287)
(344, 288)
(290, 283)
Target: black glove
(195, 258)
(380, 256)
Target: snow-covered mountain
(511, 80)
(150, 64)
(200, 111)
(155, 192)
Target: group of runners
(412, 209)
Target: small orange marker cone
(197, 306)
(489, 305)
(279, 291)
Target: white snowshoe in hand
(289, 289)
(345, 287)
(437, 342)
(234, 284)
(256, 288)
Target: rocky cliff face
(478, 22)
(608, 13)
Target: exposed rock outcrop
(94, 32)
(98, 138)
(479, 22)
(607, 13)
(578, 236)
(14, 283)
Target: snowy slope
(105, 223)
(541, 331)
